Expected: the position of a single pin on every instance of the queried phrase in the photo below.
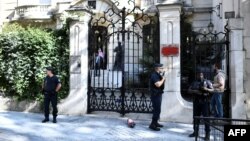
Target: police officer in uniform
(157, 80)
(200, 90)
(51, 86)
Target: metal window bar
(92, 4)
(122, 98)
(216, 126)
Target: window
(92, 4)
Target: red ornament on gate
(170, 50)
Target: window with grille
(92, 4)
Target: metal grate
(200, 51)
(216, 127)
(121, 54)
(92, 4)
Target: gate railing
(216, 126)
(122, 49)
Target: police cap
(157, 65)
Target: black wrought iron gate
(200, 51)
(123, 45)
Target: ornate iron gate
(201, 50)
(123, 45)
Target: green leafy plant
(62, 49)
(147, 63)
(24, 53)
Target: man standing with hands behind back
(51, 86)
(157, 81)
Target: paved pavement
(18, 126)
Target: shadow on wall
(11, 104)
(74, 103)
(74, 99)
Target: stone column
(76, 102)
(174, 107)
(237, 102)
(246, 40)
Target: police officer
(157, 80)
(200, 90)
(51, 86)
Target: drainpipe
(238, 14)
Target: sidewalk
(17, 126)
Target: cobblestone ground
(16, 126)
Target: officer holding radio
(157, 81)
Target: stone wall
(12, 104)
(239, 53)
(245, 10)
(6, 9)
(198, 13)
(173, 105)
(202, 3)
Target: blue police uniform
(201, 104)
(156, 96)
(50, 95)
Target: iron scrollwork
(200, 51)
(122, 37)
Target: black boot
(158, 125)
(207, 137)
(194, 134)
(153, 126)
(45, 120)
(54, 120)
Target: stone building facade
(232, 14)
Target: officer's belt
(49, 91)
(202, 97)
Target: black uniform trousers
(201, 108)
(156, 104)
(50, 98)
